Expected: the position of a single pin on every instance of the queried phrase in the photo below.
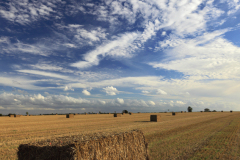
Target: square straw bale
(117, 115)
(69, 115)
(17, 115)
(155, 118)
(11, 115)
(127, 145)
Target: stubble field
(213, 135)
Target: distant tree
(206, 110)
(124, 111)
(189, 109)
(214, 111)
(0, 114)
(26, 113)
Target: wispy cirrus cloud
(26, 12)
(122, 47)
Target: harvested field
(185, 136)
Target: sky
(79, 56)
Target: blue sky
(88, 56)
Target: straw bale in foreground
(117, 115)
(69, 115)
(128, 146)
(155, 118)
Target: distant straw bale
(17, 115)
(128, 145)
(123, 113)
(117, 115)
(155, 118)
(69, 115)
(173, 113)
(11, 115)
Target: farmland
(184, 136)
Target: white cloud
(102, 102)
(145, 92)
(217, 60)
(164, 33)
(1, 107)
(70, 45)
(120, 100)
(51, 101)
(42, 73)
(67, 88)
(159, 91)
(110, 90)
(180, 102)
(85, 92)
(151, 103)
(44, 66)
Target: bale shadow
(26, 152)
(143, 121)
